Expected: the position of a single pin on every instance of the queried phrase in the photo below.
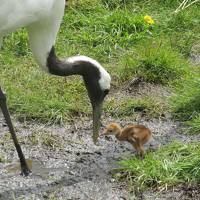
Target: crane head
(98, 86)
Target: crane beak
(97, 110)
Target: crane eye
(105, 92)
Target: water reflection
(36, 167)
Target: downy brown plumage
(135, 134)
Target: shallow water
(36, 167)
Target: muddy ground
(67, 165)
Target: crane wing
(20, 13)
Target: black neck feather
(64, 68)
(86, 69)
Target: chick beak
(104, 133)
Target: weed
(116, 4)
(7, 142)
(194, 125)
(155, 64)
(185, 101)
(168, 166)
(185, 20)
(46, 139)
(2, 159)
(146, 106)
(17, 42)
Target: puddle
(15, 167)
(36, 167)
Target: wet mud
(67, 165)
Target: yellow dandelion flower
(148, 19)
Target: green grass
(46, 139)
(153, 62)
(185, 101)
(145, 107)
(169, 166)
(194, 125)
(2, 159)
(102, 33)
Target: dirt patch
(195, 54)
(137, 88)
(75, 169)
(179, 193)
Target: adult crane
(42, 19)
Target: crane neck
(66, 67)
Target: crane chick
(135, 134)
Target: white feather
(21, 13)
(105, 78)
(42, 18)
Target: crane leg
(24, 167)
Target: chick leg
(135, 145)
(141, 149)
(138, 146)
